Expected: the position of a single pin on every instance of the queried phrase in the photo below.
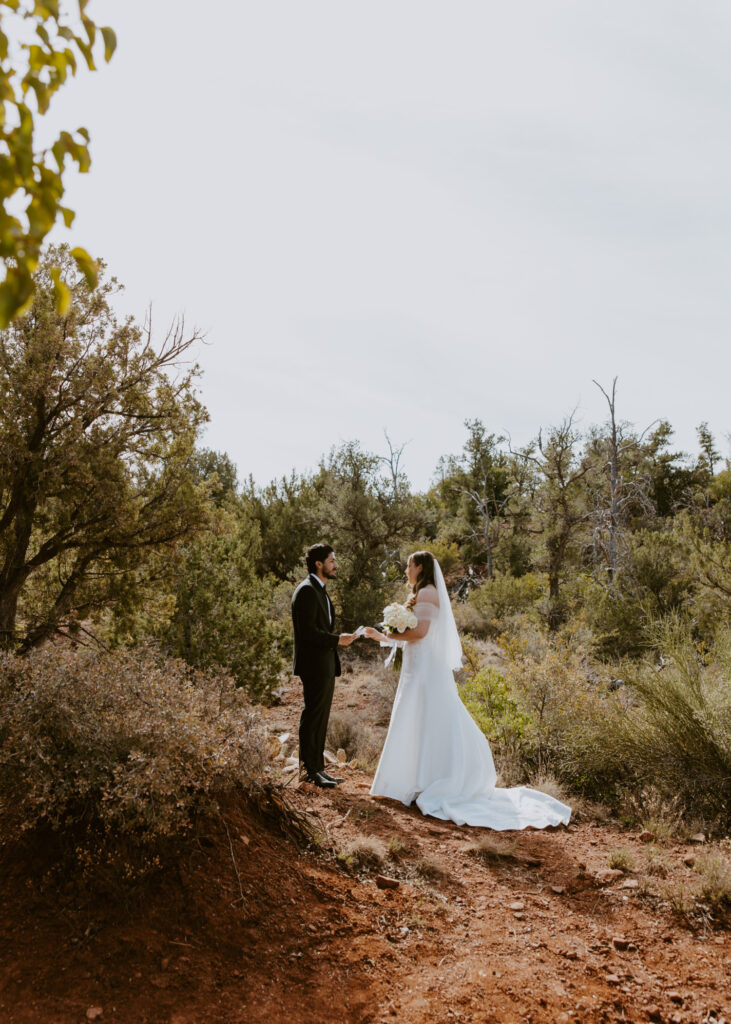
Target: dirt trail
(249, 931)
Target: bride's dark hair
(425, 561)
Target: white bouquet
(397, 618)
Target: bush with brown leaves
(118, 751)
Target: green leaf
(86, 265)
(61, 292)
(110, 42)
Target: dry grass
(621, 860)
(364, 853)
(679, 897)
(362, 743)
(395, 848)
(714, 868)
(546, 783)
(657, 812)
(493, 850)
(429, 869)
(656, 863)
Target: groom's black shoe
(320, 779)
(331, 778)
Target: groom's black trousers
(318, 694)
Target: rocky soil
(452, 925)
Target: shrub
(498, 602)
(114, 755)
(679, 735)
(489, 700)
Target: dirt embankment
(248, 929)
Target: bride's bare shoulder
(429, 594)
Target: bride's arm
(417, 633)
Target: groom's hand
(346, 639)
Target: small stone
(518, 905)
(631, 883)
(341, 756)
(558, 889)
(164, 963)
(689, 860)
(647, 837)
(384, 882)
(94, 1012)
(571, 954)
(675, 997)
(653, 1012)
(698, 838)
(609, 875)
(517, 915)
(329, 758)
(620, 943)
(160, 981)
(676, 1018)
(612, 979)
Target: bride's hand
(371, 633)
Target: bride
(434, 752)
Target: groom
(316, 659)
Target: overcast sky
(403, 214)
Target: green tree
(221, 617)
(475, 489)
(95, 438)
(358, 512)
(561, 512)
(39, 49)
(671, 481)
(284, 511)
(710, 455)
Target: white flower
(399, 618)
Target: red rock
(653, 1012)
(612, 979)
(94, 1012)
(675, 997)
(384, 882)
(620, 943)
(558, 889)
(518, 905)
(647, 837)
(689, 860)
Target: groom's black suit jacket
(315, 645)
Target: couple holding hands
(434, 753)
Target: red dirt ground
(249, 929)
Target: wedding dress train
(436, 754)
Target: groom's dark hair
(317, 553)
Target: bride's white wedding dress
(435, 753)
